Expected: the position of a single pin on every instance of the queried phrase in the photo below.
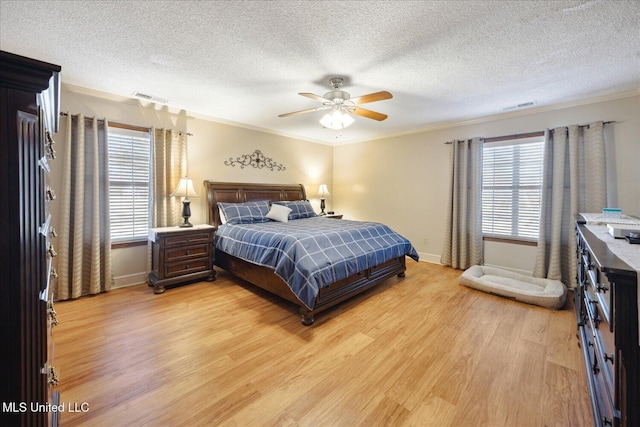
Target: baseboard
(515, 270)
(129, 280)
(435, 259)
(432, 258)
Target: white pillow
(279, 213)
(223, 219)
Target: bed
(323, 290)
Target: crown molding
(502, 116)
(431, 128)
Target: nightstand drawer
(187, 239)
(188, 252)
(186, 267)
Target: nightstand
(181, 255)
(334, 216)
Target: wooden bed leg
(401, 274)
(307, 319)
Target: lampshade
(323, 190)
(336, 120)
(184, 189)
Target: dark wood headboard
(236, 192)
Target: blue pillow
(299, 209)
(246, 212)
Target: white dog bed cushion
(531, 290)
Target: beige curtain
(463, 232)
(84, 262)
(169, 165)
(574, 181)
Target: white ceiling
(244, 62)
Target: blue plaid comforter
(313, 252)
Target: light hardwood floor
(420, 351)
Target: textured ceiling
(245, 61)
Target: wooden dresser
(181, 255)
(29, 114)
(606, 302)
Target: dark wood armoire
(29, 111)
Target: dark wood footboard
(265, 278)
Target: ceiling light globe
(336, 120)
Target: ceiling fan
(340, 104)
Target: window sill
(128, 244)
(512, 240)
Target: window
(512, 187)
(129, 183)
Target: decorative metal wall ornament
(257, 160)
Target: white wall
(209, 146)
(403, 181)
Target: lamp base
(322, 212)
(186, 213)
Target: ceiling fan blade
(310, 110)
(372, 97)
(368, 114)
(313, 96)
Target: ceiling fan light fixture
(336, 120)
(341, 106)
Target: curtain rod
(586, 126)
(126, 126)
(507, 137)
(525, 135)
(604, 123)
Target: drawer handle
(187, 253)
(51, 153)
(52, 252)
(601, 288)
(53, 320)
(590, 265)
(53, 377)
(606, 421)
(50, 194)
(608, 358)
(186, 267)
(596, 321)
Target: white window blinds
(512, 188)
(129, 183)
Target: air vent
(520, 106)
(150, 98)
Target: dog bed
(531, 290)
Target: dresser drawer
(186, 267)
(187, 252)
(187, 239)
(597, 368)
(603, 344)
(600, 290)
(606, 408)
